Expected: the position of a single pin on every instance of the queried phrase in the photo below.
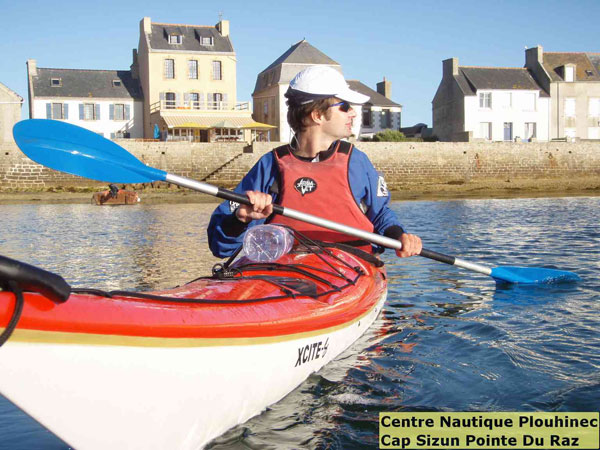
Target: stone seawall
(405, 165)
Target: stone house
(10, 112)
(573, 81)
(489, 103)
(108, 102)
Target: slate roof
(376, 99)
(587, 65)
(284, 68)
(78, 83)
(192, 34)
(471, 79)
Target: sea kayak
(177, 368)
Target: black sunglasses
(344, 106)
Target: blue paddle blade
(532, 275)
(68, 148)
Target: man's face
(338, 123)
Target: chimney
(32, 67)
(534, 56)
(450, 67)
(385, 88)
(223, 27)
(145, 26)
(135, 69)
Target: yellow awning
(204, 122)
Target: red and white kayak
(176, 372)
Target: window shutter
(111, 112)
(225, 99)
(162, 96)
(186, 100)
(112, 135)
(48, 110)
(127, 111)
(66, 111)
(97, 112)
(81, 111)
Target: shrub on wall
(389, 136)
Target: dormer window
(206, 40)
(175, 39)
(56, 82)
(589, 73)
(569, 74)
(116, 83)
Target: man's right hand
(262, 207)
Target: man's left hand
(411, 245)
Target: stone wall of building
(403, 164)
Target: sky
(403, 41)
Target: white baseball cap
(318, 82)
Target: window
(89, 111)
(530, 130)
(194, 100)
(169, 68)
(570, 132)
(386, 118)
(485, 99)
(506, 100)
(193, 69)
(508, 131)
(594, 133)
(119, 113)
(215, 100)
(569, 73)
(170, 100)
(485, 130)
(216, 70)
(366, 117)
(206, 40)
(588, 72)
(529, 101)
(569, 107)
(594, 107)
(57, 111)
(56, 82)
(266, 108)
(116, 83)
(175, 39)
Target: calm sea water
(448, 340)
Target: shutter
(48, 110)
(127, 112)
(112, 135)
(201, 100)
(225, 101)
(66, 111)
(178, 99)
(111, 112)
(97, 112)
(161, 96)
(81, 111)
(210, 99)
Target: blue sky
(403, 41)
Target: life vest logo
(305, 185)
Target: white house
(490, 103)
(108, 102)
(379, 113)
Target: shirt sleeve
(370, 190)
(225, 231)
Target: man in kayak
(317, 173)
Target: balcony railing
(199, 106)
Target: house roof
(10, 92)
(376, 99)
(78, 83)
(284, 68)
(472, 79)
(302, 53)
(191, 42)
(587, 65)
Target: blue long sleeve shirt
(226, 232)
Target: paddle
(68, 148)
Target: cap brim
(353, 97)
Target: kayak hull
(98, 390)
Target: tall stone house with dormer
(10, 112)
(573, 81)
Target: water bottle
(267, 243)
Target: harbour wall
(405, 165)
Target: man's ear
(316, 116)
